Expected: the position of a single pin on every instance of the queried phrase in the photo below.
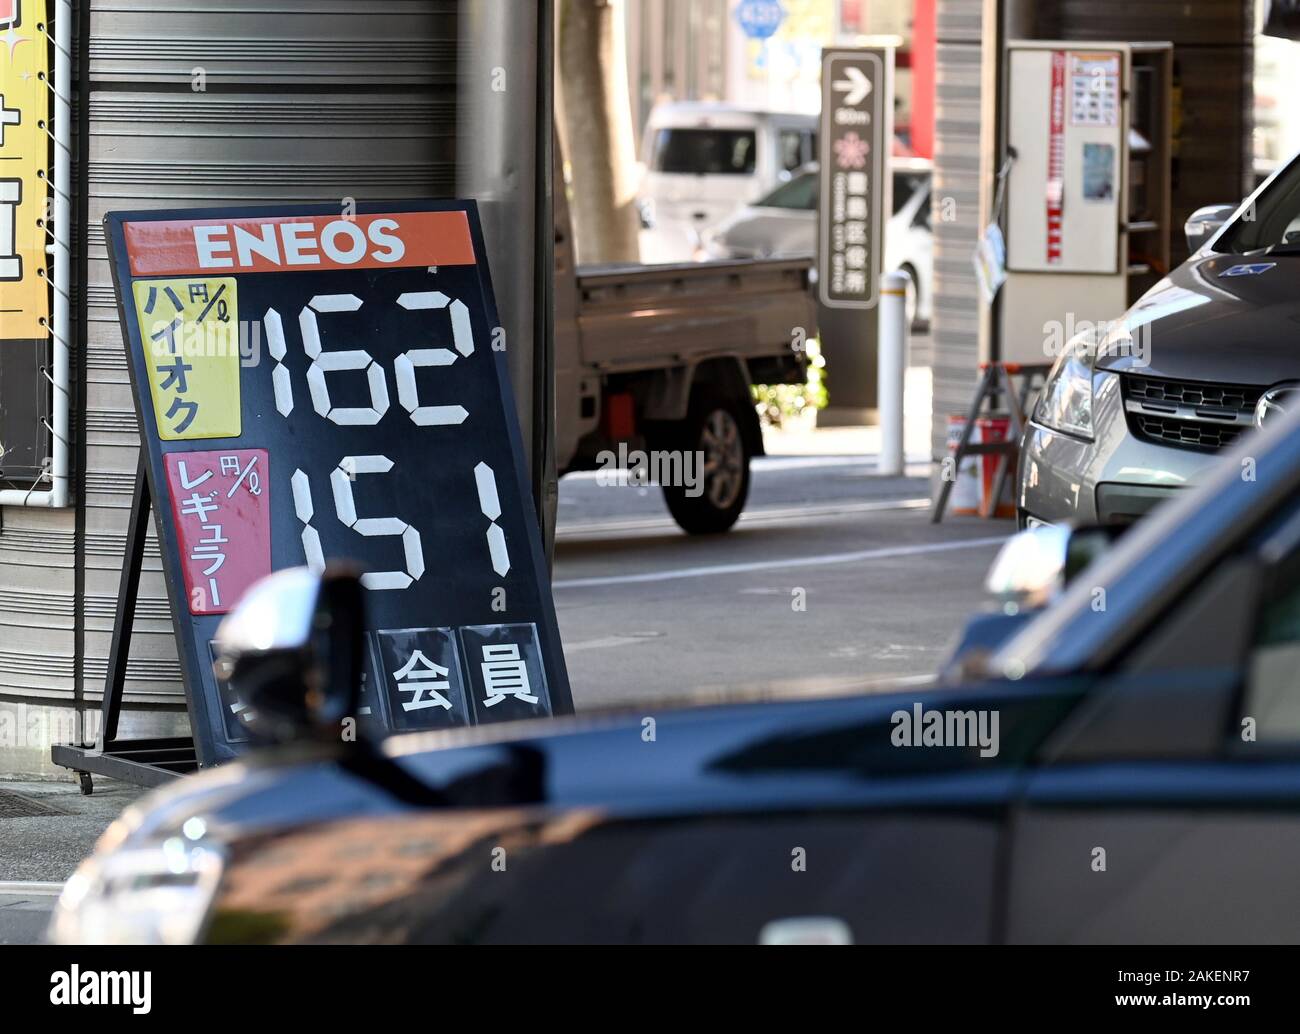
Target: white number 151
(343, 477)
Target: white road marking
(30, 889)
(782, 513)
(768, 464)
(820, 560)
(611, 640)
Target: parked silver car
(1207, 355)
(784, 222)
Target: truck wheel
(714, 428)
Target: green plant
(778, 403)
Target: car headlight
(155, 894)
(1066, 401)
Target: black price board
(857, 133)
(315, 386)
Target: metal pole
(892, 368)
(128, 591)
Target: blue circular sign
(759, 19)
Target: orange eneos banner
(298, 243)
(24, 157)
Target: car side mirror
(1032, 568)
(292, 652)
(1205, 222)
(1034, 565)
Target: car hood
(754, 232)
(798, 753)
(1218, 317)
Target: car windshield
(800, 193)
(704, 152)
(1275, 220)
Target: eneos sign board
(313, 386)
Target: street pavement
(25, 910)
(38, 853)
(833, 580)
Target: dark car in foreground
(1139, 411)
(1125, 768)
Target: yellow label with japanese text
(189, 328)
(24, 159)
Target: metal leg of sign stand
(145, 762)
(997, 381)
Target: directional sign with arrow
(855, 85)
(856, 133)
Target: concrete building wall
(676, 49)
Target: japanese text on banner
(189, 329)
(24, 157)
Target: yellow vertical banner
(24, 158)
(189, 329)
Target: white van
(705, 160)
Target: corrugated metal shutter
(193, 102)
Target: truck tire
(714, 426)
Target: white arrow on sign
(855, 87)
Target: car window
(922, 217)
(1272, 691)
(800, 193)
(1274, 220)
(704, 152)
(810, 145)
(791, 149)
(905, 185)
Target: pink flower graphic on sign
(851, 151)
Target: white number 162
(344, 475)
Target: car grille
(1188, 414)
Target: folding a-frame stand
(145, 762)
(997, 381)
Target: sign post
(311, 386)
(856, 136)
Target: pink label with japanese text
(221, 506)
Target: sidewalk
(864, 441)
(46, 829)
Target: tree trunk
(597, 131)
